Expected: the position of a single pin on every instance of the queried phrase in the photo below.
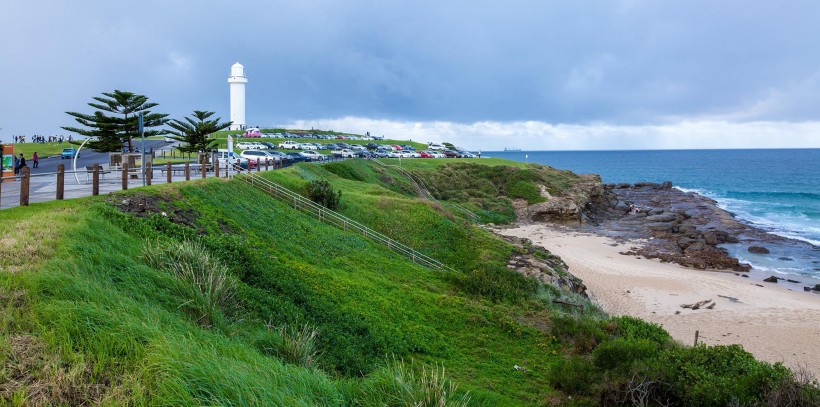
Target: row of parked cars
(255, 133)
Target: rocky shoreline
(671, 225)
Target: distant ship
(511, 149)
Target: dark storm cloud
(620, 62)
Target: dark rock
(666, 185)
(659, 226)
(771, 279)
(758, 249)
(731, 239)
(623, 185)
(785, 258)
(665, 217)
(816, 287)
(710, 238)
(744, 275)
(651, 185)
(793, 281)
(806, 288)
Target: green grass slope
(213, 293)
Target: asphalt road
(86, 158)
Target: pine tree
(110, 132)
(195, 131)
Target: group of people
(20, 162)
(42, 139)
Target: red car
(425, 154)
(396, 147)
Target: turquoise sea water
(776, 190)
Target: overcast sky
(543, 74)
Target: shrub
(525, 190)
(321, 192)
(634, 328)
(211, 288)
(583, 333)
(498, 284)
(718, 375)
(621, 353)
(575, 375)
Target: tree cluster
(114, 124)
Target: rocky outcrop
(569, 209)
(539, 263)
(758, 250)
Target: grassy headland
(211, 292)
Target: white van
(245, 145)
(229, 158)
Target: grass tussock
(212, 290)
(293, 344)
(397, 384)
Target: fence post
(60, 181)
(124, 176)
(187, 171)
(149, 173)
(258, 165)
(216, 168)
(168, 172)
(95, 180)
(204, 168)
(25, 180)
(267, 164)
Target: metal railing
(336, 219)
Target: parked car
(268, 145)
(410, 154)
(258, 156)
(450, 154)
(433, 146)
(364, 154)
(344, 153)
(425, 154)
(247, 145)
(297, 157)
(68, 153)
(396, 147)
(254, 132)
(372, 146)
(394, 154)
(309, 146)
(290, 145)
(467, 154)
(229, 158)
(381, 153)
(408, 147)
(314, 156)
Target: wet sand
(772, 322)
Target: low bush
(321, 192)
(718, 375)
(634, 328)
(621, 353)
(575, 375)
(525, 190)
(583, 333)
(498, 284)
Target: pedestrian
(21, 163)
(35, 159)
(16, 167)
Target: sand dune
(772, 322)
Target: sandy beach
(772, 322)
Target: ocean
(777, 190)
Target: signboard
(8, 160)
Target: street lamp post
(142, 135)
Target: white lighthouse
(237, 81)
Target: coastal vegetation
(211, 292)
